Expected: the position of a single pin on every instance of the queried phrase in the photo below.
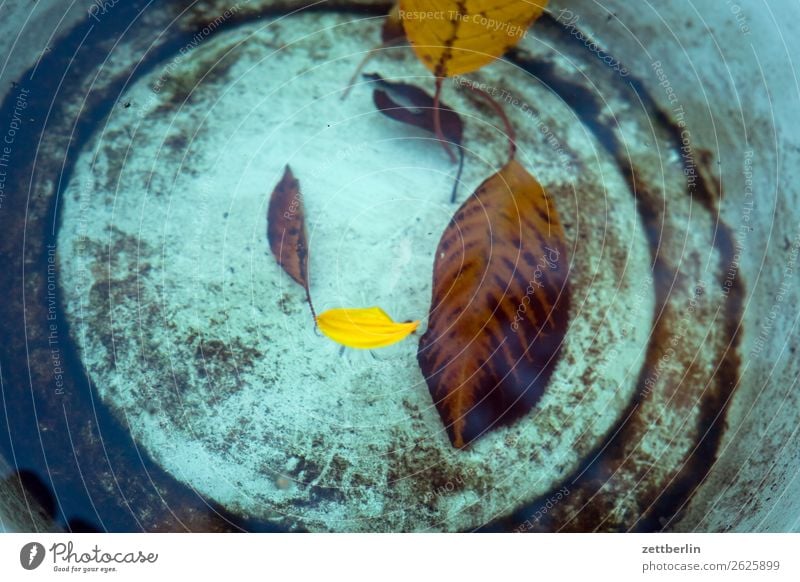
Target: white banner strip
(495, 557)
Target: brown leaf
(499, 309)
(419, 110)
(286, 230)
(414, 106)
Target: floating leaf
(417, 109)
(415, 106)
(453, 37)
(365, 328)
(499, 309)
(286, 230)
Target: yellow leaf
(364, 328)
(453, 37)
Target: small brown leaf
(418, 108)
(414, 106)
(499, 309)
(286, 230)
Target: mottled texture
(724, 83)
(198, 339)
(500, 306)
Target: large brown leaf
(286, 230)
(499, 309)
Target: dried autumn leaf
(453, 37)
(414, 106)
(365, 328)
(286, 230)
(418, 108)
(499, 309)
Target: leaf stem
(311, 306)
(437, 120)
(367, 58)
(510, 133)
(458, 175)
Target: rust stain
(592, 505)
